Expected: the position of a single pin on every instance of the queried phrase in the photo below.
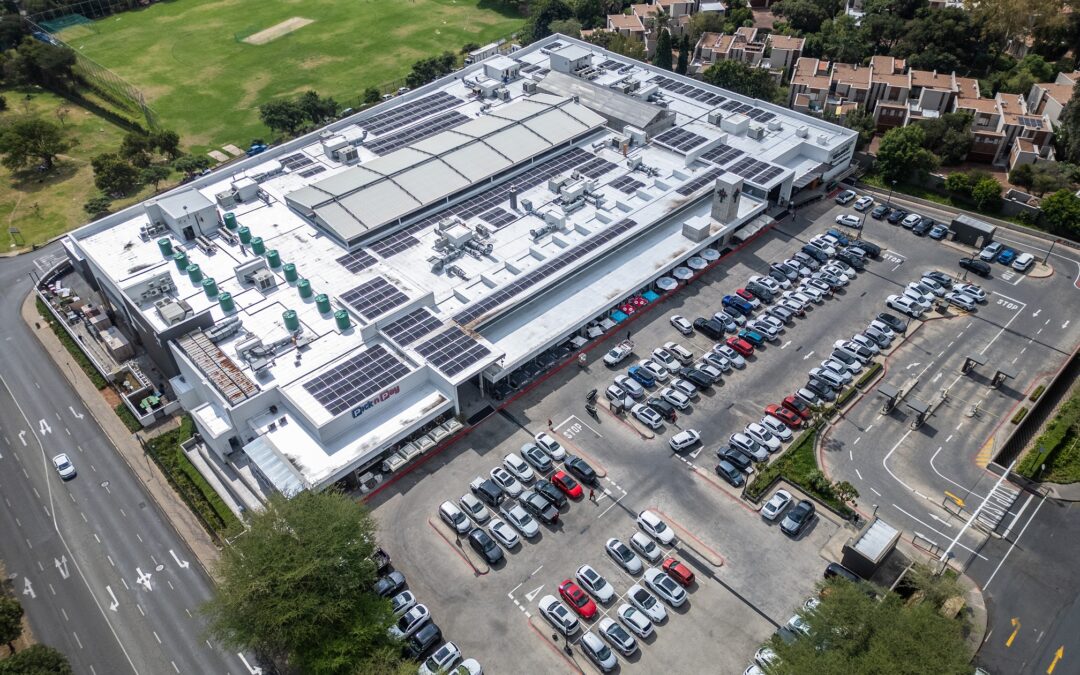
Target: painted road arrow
(533, 593)
(115, 603)
(182, 563)
(1057, 657)
(61, 565)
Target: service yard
(749, 576)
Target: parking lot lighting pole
(1052, 245)
(889, 201)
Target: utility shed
(619, 109)
(864, 553)
(972, 231)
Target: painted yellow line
(959, 502)
(1016, 629)
(1057, 657)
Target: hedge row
(130, 421)
(870, 374)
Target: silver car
(685, 387)
(748, 445)
(730, 354)
(646, 547)
(664, 586)
(503, 533)
(617, 636)
(720, 362)
(596, 585)
(598, 652)
(635, 620)
(675, 397)
(644, 601)
(520, 519)
(622, 555)
(632, 387)
(558, 615)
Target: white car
(797, 624)
(776, 505)
(675, 398)
(596, 585)
(935, 288)
(505, 480)
(643, 600)
(402, 602)
(64, 468)
(682, 353)
(721, 363)
(444, 658)
(682, 325)
(658, 372)
(964, 302)
(799, 296)
(917, 298)
(520, 519)
(766, 657)
(841, 370)
(763, 436)
(911, 220)
(503, 533)
(631, 386)
(410, 622)
(474, 508)
(990, 251)
(772, 321)
(798, 266)
(925, 290)
(647, 416)
(684, 439)
(558, 615)
(860, 339)
(971, 290)
(884, 328)
(710, 370)
(811, 291)
(821, 243)
(749, 446)
(905, 305)
(622, 555)
(864, 202)
(665, 358)
(684, 387)
(635, 620)
(646, 547)
(730, 354)
(598, 652)
(551, 446)
(454, 517)
(848, 220)
(768, 282)
(517, 466)
(656, 528)
(666, 587)
(766, 328)
(777, 428)
(830, 378)
(615, 634)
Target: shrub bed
(1035, 395)
(1020, 415)
(798, 465)
(870, 374)
(125, 415)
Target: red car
(746, 295)
(784, 415)
(568, 485)
(798, 407)
(740, 345)
(679, 572)
(576, 598)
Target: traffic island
(454, 541)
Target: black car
(923, 226)
(551, 493)
(798, 518)
(710, 328)
(896, 323)
(729, 473)
(423, 640)
(852, 259)
(536, 504)
(488, 491)
(580, 468)
(838, 570)
(871, 249)
(390, 584)
(944, 279)
(821, 388)
(485, 546)
(759, 291)
(698, 378)
(739, 459)
(815, 253)
(662, 407)
(880, 211)
(897, 215)
(786, 270)
(976, 266)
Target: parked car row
(996, 251)
(919, 296)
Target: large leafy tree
(431, 69)
(1061, 211)
(851, 632)
(742, 78)
(949, 136)
(542, 13)
(618, 43)
(861, 120)
(11, 614)
(282, 116)
(317, 108)
(901, 153)
(662, 57)
(1068, 131)
(36, 660)
(805, 16)
(843, 40)
(297, 586)
(1004, 20)
(32, 140)
(41, 63)
(114, 175)
(940, 39)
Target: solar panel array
(767, 175)
(626, 184)
(755, 170)
(452, 351)
(680, 139)
(688, 90)
(411, 327)
(498, 217)
(760, 115)
(721, 155)
(595, 168)
(1031, 122)
(692, 186)
(356, 379)
(541, 272)
(485, 201)
(610, 64)
(417, 132)
(374, 298)
(357, 261)
(529, 67)
(409, 113)
(297, 160)
(734, 106)
(314, 171)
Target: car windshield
(644, 598)
(623, 552)
(617, 633)
(603, 653)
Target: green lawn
(207, 85)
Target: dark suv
(487, 491)
(896, 216)
(710, 328)
(580, 468)
(976, 266)
(762, 293)
(485, 546)
(536, 504)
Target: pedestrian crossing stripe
(986, 453)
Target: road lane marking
(875, 492)
(858, 474)
(928, 525)
(77, 640)
(1006, 556)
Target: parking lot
(750, 577)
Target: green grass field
(206, 84)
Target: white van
(1023, 262)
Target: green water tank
(341, 318)
(209, 287)
(165, 246)
(304, 286)
(230, 220)
(194, 273)
(226, 303)
(290, 271)
(322, 303)
(245, 235)
(257, 246)
(292, 322)
(181, 260)
(273, 258)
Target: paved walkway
(156, 485)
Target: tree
(959, 182)
(591, 13)
(568, 27)
(430, 69)
(706, 22)
(137, 148)
(538, 26)
(190, 165)
(684, 55)
(167, 142)
(3, 107)
(37, 62)
(862, 121)
(843, 41)
(845, 492)
(805, 16)
(901, 153)
(662, 56)
(1022, 175)
(316, 108)
(1067, 137)
(32, 140)
(618, 43)
(153, 175)
(36, 660)
(98, 206)
(850, 632)
(297, 585)
(949, 136)
(1005, 20)
(282, 116)
(371, 95)
(742, 78)
(986, 193)
(1061, 211)
(11, 31)
(1047, 177)
(11, 614)
(114, 175)
(941, 39)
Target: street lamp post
(1052, 245)
(889, 200)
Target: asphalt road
(102, 575)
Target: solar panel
(721, 154)
(529, 68)
(743, 108)
(596, 167)
(374, 298)
(498, 217)
(1031, 122)
(312, 171)
(297, 160)
(610, 63)
(768, 175)
(411, 327)
(417, 132)
(692, 186)
(730, 105)
(452, 351)
(356, 379)
(626, 184)
(397, 117)
(680, 139)
(357, 261)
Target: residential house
(810, 83)
(777, 53)
(1049, 98)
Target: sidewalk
(154, 482)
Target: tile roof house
(778, 53)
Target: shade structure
(682, 273)
(697, 263)
(710, 254)
(666, 284)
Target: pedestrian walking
(627, 335)
(549, 424)
(592, 495)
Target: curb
(713, 557)
(459, 550)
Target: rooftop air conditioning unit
(756, 131)
(774, 125)
(823, 139)
(802, 131)
(528, 86)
